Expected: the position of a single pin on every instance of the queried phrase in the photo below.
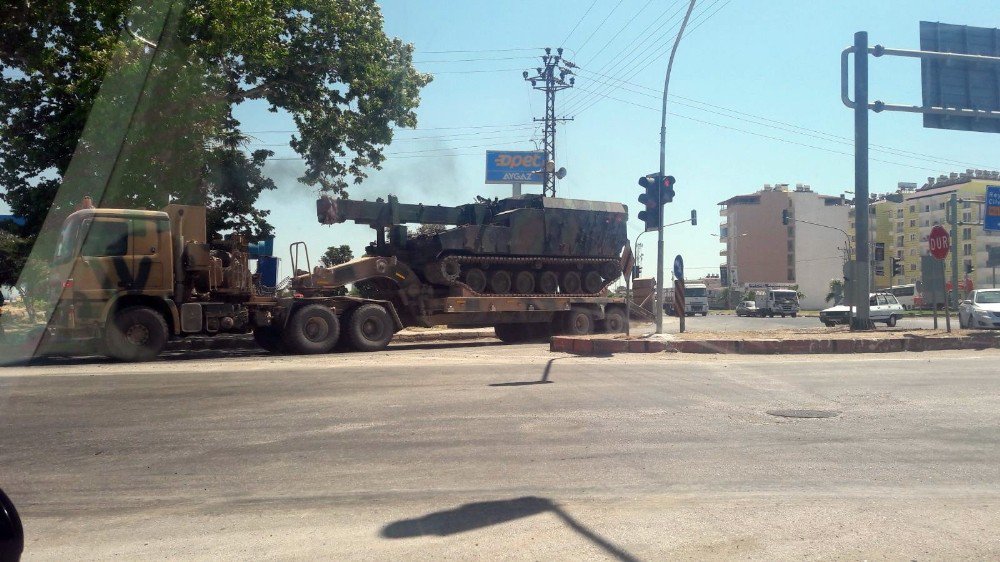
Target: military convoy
(528, 266)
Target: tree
(836, 293)
(336, 255)
(427, 230)
(133, 102)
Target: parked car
(746, 308)
(980, 310)
(882, 307)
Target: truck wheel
(830, 324)
(369, 328)
(704, 314)
(311, 329)
(614, 321)
(578, 322)
(137, 333)
(891, 322)
(570, 283)
(511, 333)
(794, 314)
(269, 339)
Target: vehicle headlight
(982, 314)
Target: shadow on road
(477, 515)
(545, 376)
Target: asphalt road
(506, 452)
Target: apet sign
(506, 166)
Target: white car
(882, 307)
(981, 310)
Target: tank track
(479, 261)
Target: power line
(665, 36)
(636, 67)
(476, 59)
(779, 139)
(578, 22)
(585, 41)
(512, 50)
(619, 32)
(511, 125)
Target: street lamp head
(525, 74)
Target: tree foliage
(146, 108)
(336, 255)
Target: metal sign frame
(991, 210)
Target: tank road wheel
(500, 282)
(269, 338)
(570, 282)
(524, 283)
(475, 278)
(137, 333)
(610, 270)
(578, 322)
(312, 329)
(548, 283)
(592, 282)
(369, 328)
(614, 320)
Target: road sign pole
(862, 321)
(953, 218)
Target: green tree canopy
(336, 255)
(146, 101)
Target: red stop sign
(938, 242)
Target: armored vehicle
(527, 245)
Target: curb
(246, 342)
(583, 345)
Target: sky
(755, 99)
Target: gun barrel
(383, 214)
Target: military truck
(135, 279)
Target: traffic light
(652, 211)
(897, 267)
(694, 217)
(659, 191)
(784, 216)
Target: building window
(899, 213)
(940, 206)
(913, 252)
(791, 275)
(927, 208)
(966, 234)
(967, 266)
(927, 222)
(913, 223)
(899, 254)
(899, 227)
(913, 267)
(791, 259)
(899, 240)
(966, 249)
(791, 246)
(913, 208)
(966, 217)
(791, 232)
(913, 238)
(966, 204)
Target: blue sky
(777, 61)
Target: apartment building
(903, 220)
(808, 252)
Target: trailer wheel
(475, 278)
(311, 329)
(137, 333)
(614, 321)
(369, 328)
(524, 283)
(578, 322)
(269, 339)
(500, 282)
(511, 333)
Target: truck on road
(128, 281)
(695, 300)
(773, 301)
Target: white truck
(695, 300)
(774, 301)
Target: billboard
(514, 166)
(960, 84)
(991, 217)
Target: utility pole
(663, 172)
(551, 78)
(861, 255)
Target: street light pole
(663, 166)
